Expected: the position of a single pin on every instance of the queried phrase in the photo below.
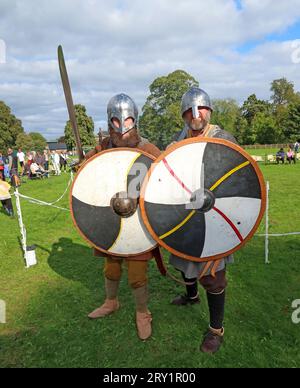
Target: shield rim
(174, 147)
(111, 150)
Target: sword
(69, 101)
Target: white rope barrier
(279, 235)
(267, 235)
(42, 203)
(50, 204)
(29, 252)
(65, 192)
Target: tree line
(256, 121)
(13, 135)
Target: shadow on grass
(75, 262)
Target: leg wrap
(141, 299)
(111, 288)
(216, 304)
(191, 290)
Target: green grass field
(47, 305)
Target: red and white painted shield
(203, 199)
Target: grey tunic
(191, 269)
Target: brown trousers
(137, 271)
(214, 284)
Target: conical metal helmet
(122, 107)
(194, 98)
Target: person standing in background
(2, 177)
(5, 196)
(55, 162)
(63, 161)
(21, 158)
(6, 167)
(29, 158)
(12, 162)
(46, 161)
(39, 159)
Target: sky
(233, 48)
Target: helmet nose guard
(122, 107)
(194, 98)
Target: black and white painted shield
(203, 199)
(99, 189)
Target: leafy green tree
(283, 92)
(265, 129)
(225, 114)
(33, 141)
(243, 131)
(24, 141)
(261, 125)
(38, 141)
(252, 106)
(285, 102)
(61, 139)
(280, 114)
(291, 123)
(10, 127)
(85, 126)
(161, 116)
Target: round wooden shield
(105, 202)
(203, 199)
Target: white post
(21, 225)
(267, 226)
(28, 257)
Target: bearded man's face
(199, 123)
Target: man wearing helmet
(196, 111)
(122, 115)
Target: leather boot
(108, 307)
(143, 315)
(183, 300)
(111, 303)
(212, 341)
(143, 324)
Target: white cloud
(123, 45)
